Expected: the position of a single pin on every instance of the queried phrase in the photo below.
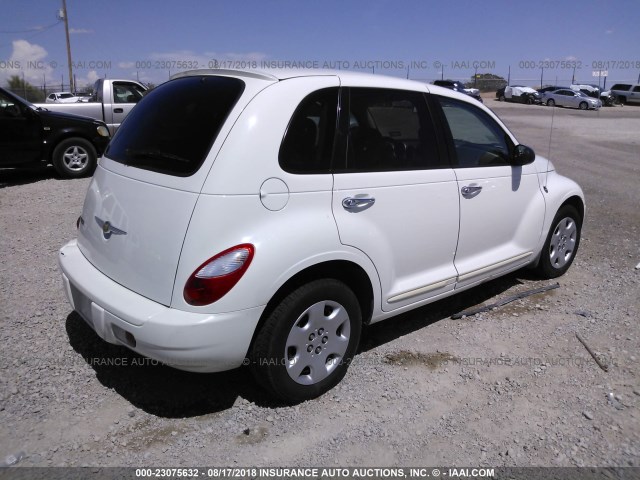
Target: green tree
(486, 82)
(23, 88)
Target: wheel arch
(348, 272)
(576, 202)
(66, 134)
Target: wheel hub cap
(563, 242)
(317, 342)
(75, 158)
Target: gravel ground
(511, 387)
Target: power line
(35, 29)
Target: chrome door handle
(357, 204)
(470, 191)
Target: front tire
(551, 103)
(308, 341)
(562, 243)
(74, 158)
(583, 106)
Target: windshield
(172, 128)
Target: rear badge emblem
(108, 229)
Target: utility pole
(66, 31)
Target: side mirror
(522, 155)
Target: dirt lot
(512, 387)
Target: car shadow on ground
(406, 323)
(166, 392)
(10, 177)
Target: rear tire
(308, 341)
(562, 243)
(74, 157)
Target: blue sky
(147, 39)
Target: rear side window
(171, 129)
(308, 144)
(389, 130)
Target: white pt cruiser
(264, 217)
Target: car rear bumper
(197, 342)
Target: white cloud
(23, 50)
(80, 30)
(88, 80)
(126, 64)
(28, 61)
(609, 31)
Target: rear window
(172, 129)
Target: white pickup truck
(626, 92)
(110, 102)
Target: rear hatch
(140, 201)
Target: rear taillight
(214, 278)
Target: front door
(501, 206)
(125, 96)
(20, 133)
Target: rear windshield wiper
(154, 154)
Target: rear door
(501, 206)
(394, 198)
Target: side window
(478, 140)
(307, 146)
(8, 108)
(126, 93)
(636, 89)
(389, 130)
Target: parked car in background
(626, 92)
(607, 98)
(31, 136)
(62, 97)
(518, 93)
(595, 91)
(570, 98)
(459, 87)
(242, 218)
(110, 102)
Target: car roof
(346, 76)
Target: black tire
(551, 102)
(583, 106)
(622, 100)
(291, 332)
(74, 158)
(562, 243)
(501, 98)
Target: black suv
(31, 135)
(459, 87)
